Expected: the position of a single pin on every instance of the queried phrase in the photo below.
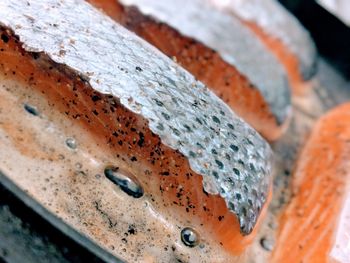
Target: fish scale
(36, 32)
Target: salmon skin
(183, 163)
(281, 33)
(217, 50)
(315, 225)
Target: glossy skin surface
(105, 134)
(181, 111)
(290, 38)
(140, 132)
(255, 89)
(289, 60)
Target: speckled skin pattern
(273, 18)
(226, 35)
(181, 111)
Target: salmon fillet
(314, 226)
(217, 50)
(153, 164)
(281, 33)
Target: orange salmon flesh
(204, 63)
(309, 223)
(286, 57)
(174, 189)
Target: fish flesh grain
(281, 33)
(315, 224)
(118, 142)
(217, 50)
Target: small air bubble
(31, 109)
(125, 180)
(189, 237)
(71, 143)
(266, 244)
